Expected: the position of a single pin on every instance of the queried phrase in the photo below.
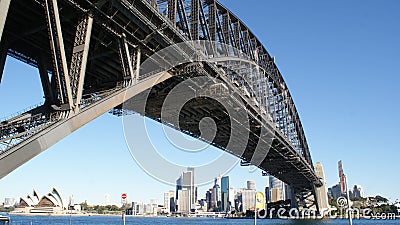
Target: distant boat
(4, 220)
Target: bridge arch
(92, 50)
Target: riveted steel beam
(137, 65)
(4, 5)
(60, 70)
(183, 18)
(212, 14)
(225, 28)
(203, 21)
(44, 78)
(126, 60)
(79, 58)
(194, 20)
(172, 5)
(3, 57)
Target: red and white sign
(123, 196)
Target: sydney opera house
(51, 203)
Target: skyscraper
(186, 183)
(183, 201)
(209, 199)
(276, 194)
(231, 196)
(342, 178)
(358, 192)
(267, 195)
(216, 197)
(322, 193)
(335, 191)
(225, 194)
(248, 199)
(279, 190)
(193, 189)
(169, 201)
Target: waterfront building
(217, 194)
(321, 192)
(152, 208)
(231, 196)
(183, 202)
(335, 191)
(137, 208)
(238, 201)
(248, 199)
(275, 194)
(225, 204)
(51, 203)
(186, 182)
(357, 192)
(216, 198)
(169, 202)
(279, 190)
(209, 199)
(9, 202)
(267, 195)
(342, 178)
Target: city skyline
(221, 184)
(339, 121)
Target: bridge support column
(4, 5)
(130, 62)
(137, 67)
(293, 199)
(172, 5)
(194, 20)
(60, 70)
(3, 57)
(79, 58)
(126, 60)
(316, 199)
(46, 85)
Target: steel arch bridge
(89, 55)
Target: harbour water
(117, 220)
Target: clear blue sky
(341, 61)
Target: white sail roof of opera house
(51, 199)
(30, 200)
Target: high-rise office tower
(267, 195)
(169, 201)
(278, 189)
(216, 198)
(358, 191)
(225, 204)
(276, 194)
(248, 199)
(186, 183)
(183, 201)
(335, 191)
(342, 178)
(231, 196)
(209, 199)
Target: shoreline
(55, 214)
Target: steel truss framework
(88, 51)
